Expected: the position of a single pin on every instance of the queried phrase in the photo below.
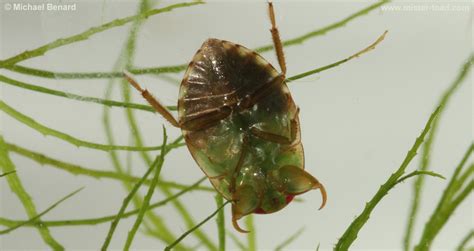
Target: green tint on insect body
(241, 126)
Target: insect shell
(244, 131)
(241, 126)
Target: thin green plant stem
(153, 222)
(329, 66)
(426, 153)
(252, 235)
(417, 172)
(220, 220)
(128, 159)
(177, 204)
(148, 196)
(8, 230)
(439, 219)
(80, 170)
(28, 121)
(126, 95)
(464, 241)
(125, 203)
(170, 79)
(148, 108)
(94, 75)
(461, 181)
(111, 103)
(352, 231)
(289, 240)
(196, 227)
(455, 184)
(129, 52)
(7, 173)
(181, 67)
(99, 220)
(236, 240)
(86, 34)
(17, 187)
(165, 234)
(151, 231)
(324, 30)
(449, 201)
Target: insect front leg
(151, 100)
(295, 180)
(245, 201)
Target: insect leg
(151, 100)
(297, 181)
(205, 119)
(279, 139)
(268, 136)
(239, 165)
(276, 39)
(244, 201)
(261, 92)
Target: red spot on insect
(289, 198)
(259, 211)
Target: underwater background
(358, 120)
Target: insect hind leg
(151, 100)
(276, 39)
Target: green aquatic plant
(427, 148)
(459, 186)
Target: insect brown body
(241, 125)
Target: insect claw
(237, 227)
(323, 194)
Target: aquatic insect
(241, 126)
